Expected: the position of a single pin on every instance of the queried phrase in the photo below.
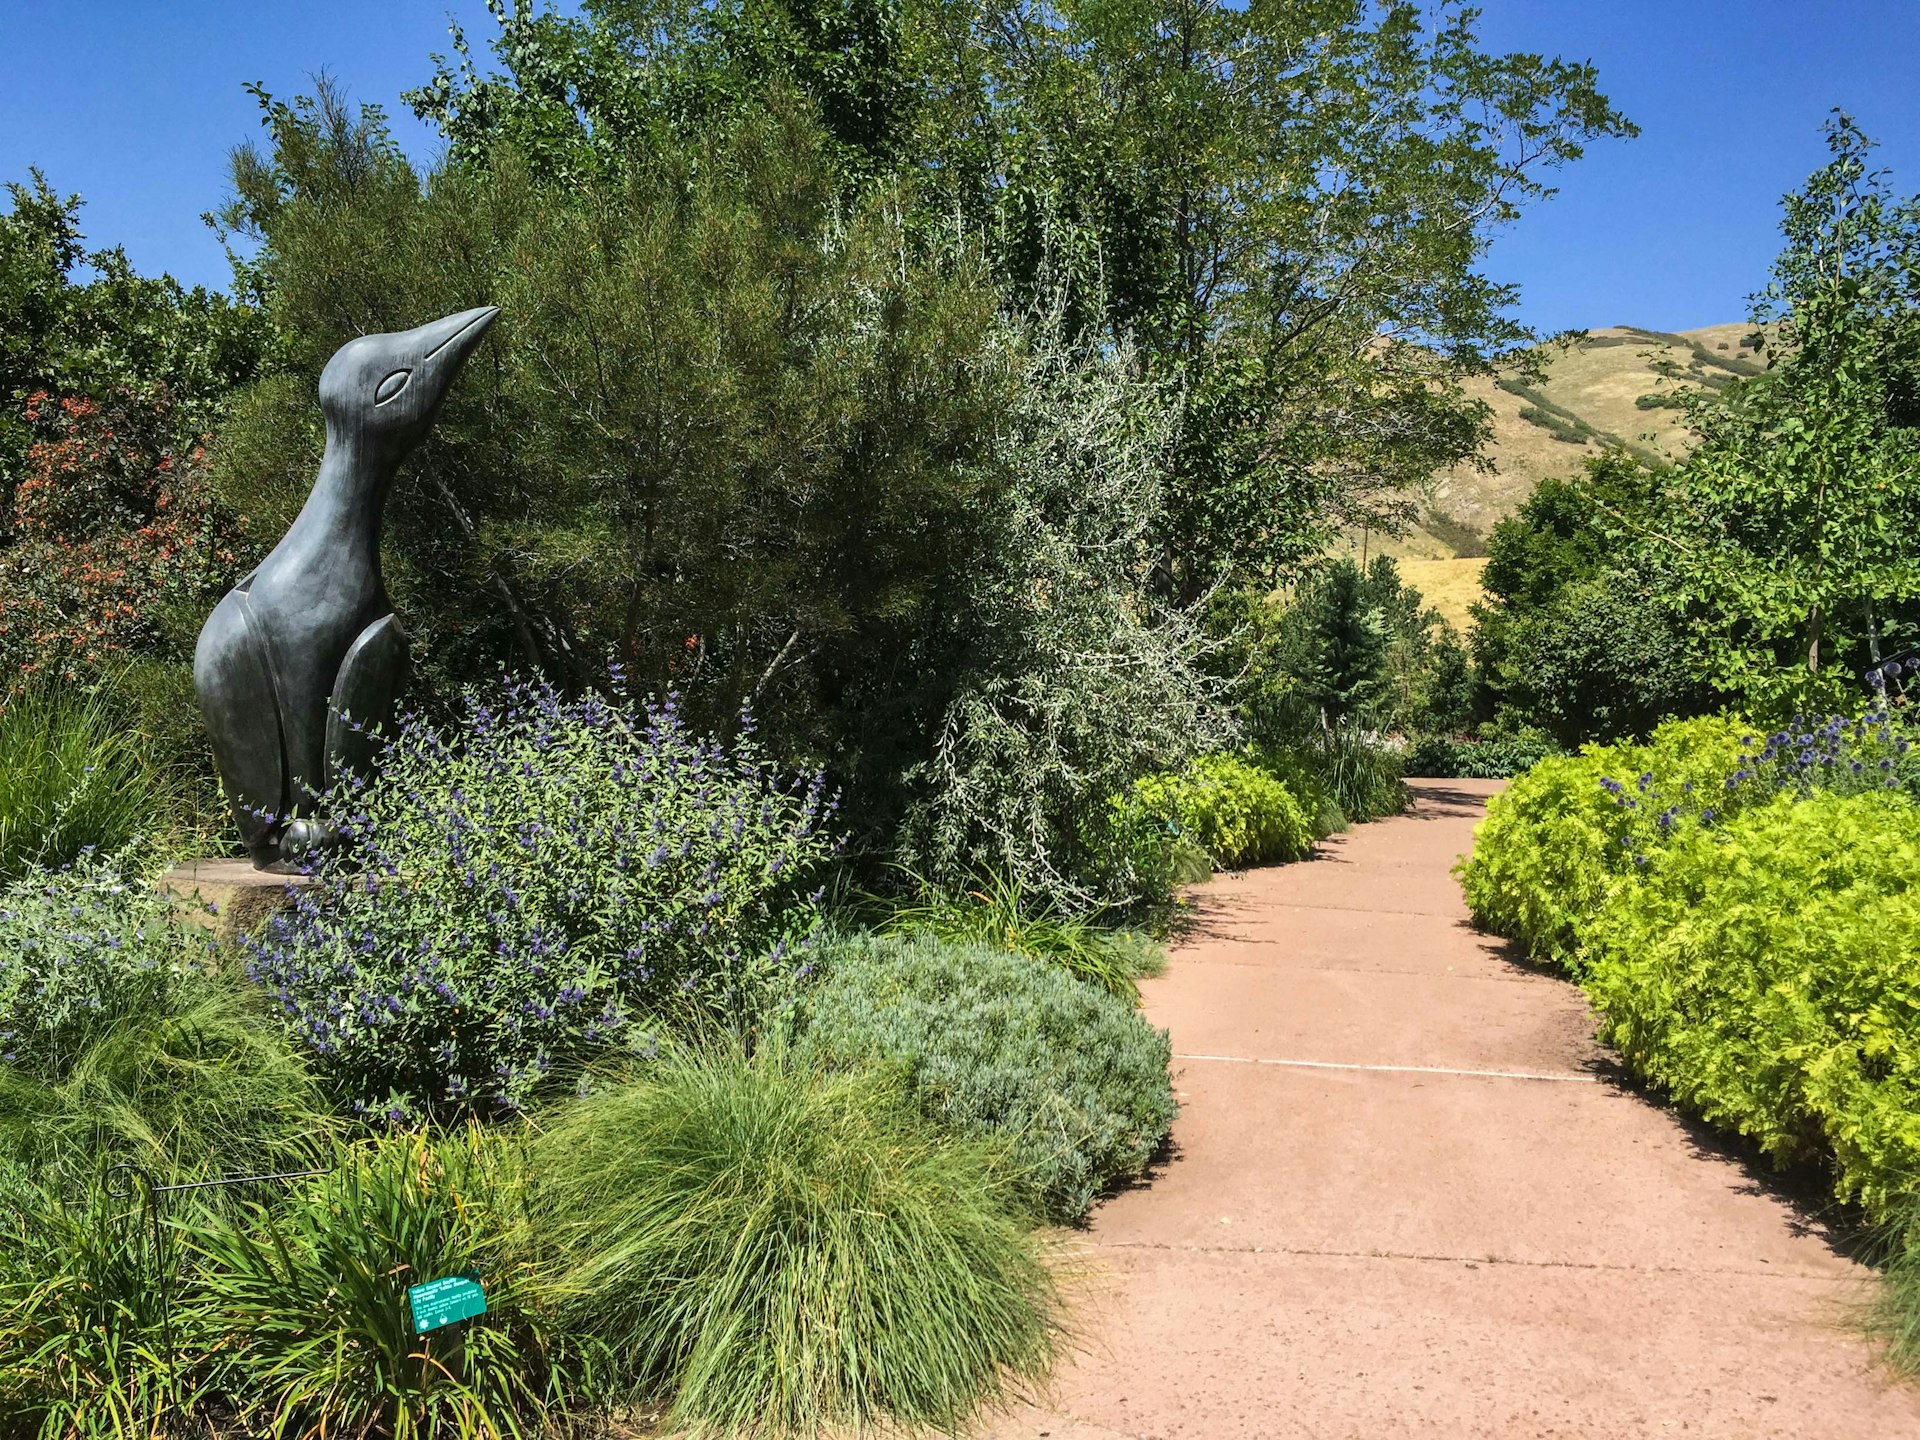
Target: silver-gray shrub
(1079, 678)
(990, 1042)
(539, 886)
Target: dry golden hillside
(1591, 397)
(1449, 586)
(1599, 390)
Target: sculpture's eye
(391, 386)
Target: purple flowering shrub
(1873, 751)
(544, 884)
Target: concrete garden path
(1409, 1197)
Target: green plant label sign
(440, 1303)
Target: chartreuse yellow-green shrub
(1767, 973)
(1744, 912)
(1236, 812)
(1559, 839)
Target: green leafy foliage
(1742, 913)
(771, 414)
(107, 334)
(769, 1250)
(1309, 774)
(299, 1305)
(1337, 647)
(1569, 641)
(72, 780)
(1792, 529)
(81, 1351)
(1762, 972)
(1077, 679)
(1347, 650)
(1774, 564)
(987, 1042)
(115, 1045)
(1237, 813)
(733, 432)
(1271, 201)
(1487, 758)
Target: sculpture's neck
(349, 497)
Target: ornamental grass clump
(81, 1350)
(1893, 1316)
(998, 910)
(115, 1044)
(768, 1250)
(537, 887)
(71, 781)
(989, 1043)
(300, 1300)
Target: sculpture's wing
(363, 694)
(233, 673)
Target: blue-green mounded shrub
(81, 947)
(989, 1042)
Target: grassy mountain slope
(1603, 389)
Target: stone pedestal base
(241, 897)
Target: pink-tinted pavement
(1408, 1198)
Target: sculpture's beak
(445, 344)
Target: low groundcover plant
(992, 1043)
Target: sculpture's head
(386, 389)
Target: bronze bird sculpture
(303, 658)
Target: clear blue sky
(135, 105)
